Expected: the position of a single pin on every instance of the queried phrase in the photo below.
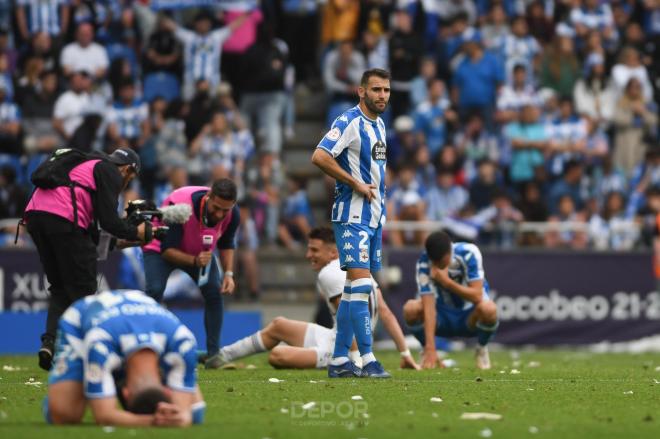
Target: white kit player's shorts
(322, 340)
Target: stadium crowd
(502, 112)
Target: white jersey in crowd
(201, 54)
(330, 284)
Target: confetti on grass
(436, 399)
(274, 380)
(475, 416)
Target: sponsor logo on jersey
(348, 246)
(349, 258)
(347, 234)
(379, 151)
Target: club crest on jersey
(379, 151)
(364, 255)
(334, 134)
(348, 246)
(347, 234)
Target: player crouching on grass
(123, 346)
(309, 345)
(452, 298)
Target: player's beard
(371, 105)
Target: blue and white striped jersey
(358, 144)
(128, 118)
(106, 328)
(202, 53)
(9, 112)
(466, 266)
(43, 15)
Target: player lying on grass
(452, 298)
(123, 346)
(309, 345)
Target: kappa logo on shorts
(364, 255)
(349, 258)
(348, 246)
(347, 234)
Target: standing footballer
(354, 153)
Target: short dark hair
(323, 233)
(224, 188)
(438, 245)
(146, 401)
(381, 73)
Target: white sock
(355, 358)
(338, 361)
(368, 358)
(252, 344)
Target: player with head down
(123, 346)
(452, 298)
(308, 345)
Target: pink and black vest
(194, 228)
(58, 201)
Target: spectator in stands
(405, 203)
(168, 133)
(162, 51)
(502, 218)
(430, 117)
(483, 186)
(610, 228)
(594, 96)
(299, 30)
(540, 23)
(528, 140)
(419, 86)
(496, 26)
(477, 81)
(519, 48)
(405, 52)
(38, 106)
(40, 46)
(342, 70)
(128, 119)
(217, 152)
(568, 138)
(72, 105)
(515, 94)
(50, 16)
(597, 145)
(339, 20)
(264, 100)
(476, 144)
(560, 68)
(533, 209)
(296, 221)
(446, 198)
(630, 66)
(636, 123)
(84, 54)
(374, 48)
(593, 15)
(571, 184)
(574, 236)
(202, 49)
(10, 124)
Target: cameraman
(67, 251)
(189, 247)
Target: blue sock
(46, 411)
(198, 410)
(344, 327)
(360, 316)
(486, 332)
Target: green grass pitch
(556, 394)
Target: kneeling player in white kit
(309, 345)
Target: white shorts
(322, 340)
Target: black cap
(126, 156)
